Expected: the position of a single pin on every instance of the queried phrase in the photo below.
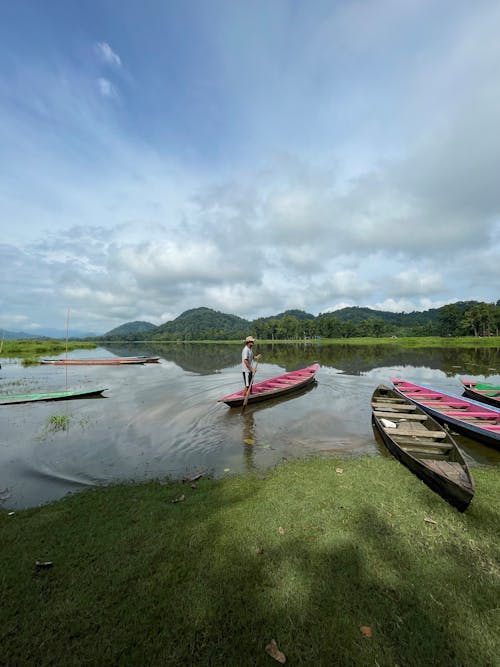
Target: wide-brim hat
(249, 339)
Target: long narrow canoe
(419, 442)
(277, 386)
(481, 391)
(469, 417)
(113, 361)
(9, 399)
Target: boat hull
(274, 388)
(118, 361)
(469, 417)
(421, 445)
(50, 396)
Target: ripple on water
(160, 420)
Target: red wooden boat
(481, 391)
(277, 386)
(469, 417)
(112, 361)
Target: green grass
(57, 422)
(210, 580)
(411, 342)
(30, 351)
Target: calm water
(163, 420)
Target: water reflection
(164, 419)
(206, 359)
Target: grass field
(317, 554)
(424, 341)
(30, 351)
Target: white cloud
(107, 55)
(360, 169)
(107, 89)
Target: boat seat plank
(399, 415)
(428, 445)
(470, 414)
(393, 406)
(446, 404)
(401, 430)
(425, 454)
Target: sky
(250, 157)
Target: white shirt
(247, 353)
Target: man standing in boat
(247, 360)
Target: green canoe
(49, 396)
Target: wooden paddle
(245, 401)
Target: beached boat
(423, 446)
(472, 418)
(277, 386)
(112, 361)
(482, 391)
(9, 399)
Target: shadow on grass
(211, 579)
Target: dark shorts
(247, 378)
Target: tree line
(471, 318)
(480, 319)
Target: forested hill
(203, 324)
(131, 330)
(457, 319)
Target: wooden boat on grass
(423, 446)
(482, 392)
(472, 418)
(112, 361)
(9, 399)
(277, 386)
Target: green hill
(203, 324)
(460, 318)
(131, 331)
(298, 314)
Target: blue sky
(246, 156)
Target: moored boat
(112, 361)
(482, 392)
(9, 399)
(423, 446)
(274, 387)
(472, 418)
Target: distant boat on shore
(113, 361)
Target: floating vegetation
(57, 423)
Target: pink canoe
(278, 386)
(466, 416)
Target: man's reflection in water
(249, 440)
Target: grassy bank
(30, 351)
(307, 555)
(416, 341)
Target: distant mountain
(357, 314)
(203, 324)
(44, 333)
(17, 335)
(131, 329)
(73, 333)
(207, 324)
(298, 314)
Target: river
(160, 421)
